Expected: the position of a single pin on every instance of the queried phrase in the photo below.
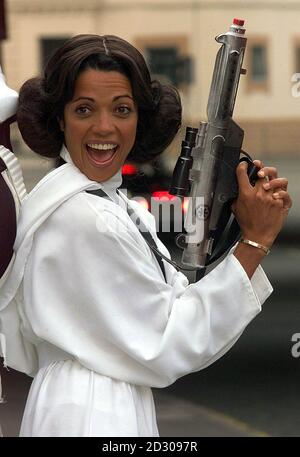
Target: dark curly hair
(42, 99)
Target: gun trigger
(246, 159)
(252, 170)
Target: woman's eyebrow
(92, 100)
(123, 96)
(82, 98)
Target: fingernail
(261, 173)
(266, 186)
(276, 195)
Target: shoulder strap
(142, 229)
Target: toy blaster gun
(206, 168)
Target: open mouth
(101, 155)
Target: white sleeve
(96, 293)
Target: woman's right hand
(261, 209)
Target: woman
(103, 321)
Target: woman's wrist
(260, 239)
(249, 257)
(256, 245)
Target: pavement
(177, 417)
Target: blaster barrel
(210, 144)
(226, 75)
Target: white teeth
(102, 147)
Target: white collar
(110, 186)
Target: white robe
(104, 324)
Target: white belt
(47, 353)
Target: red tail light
(163, 195)
(129, 169)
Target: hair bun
(156, 90)
(34, 124)
(158, 128)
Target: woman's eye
(124, 110)
(82, 110)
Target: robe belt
(47, 354)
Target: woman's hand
(261, 210)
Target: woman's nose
(103, 124)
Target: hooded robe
(87, 312)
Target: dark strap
(5, 132)
(8, 222)
(141, 227)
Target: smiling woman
(100, 123)
(101, 318)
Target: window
(257, 64)
(167, 65)
(3, 34)
(163, 63)
(48, 46)
(167, 59)
(297, 58)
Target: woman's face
(100, 123)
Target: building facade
(177, 39)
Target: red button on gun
(239, 22)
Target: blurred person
(103, 320)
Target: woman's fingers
(272, 183)
(270, 172)
(242, 177)
(276, 183)
(258, 163)
(269, 183)
(261, 209)
(285, 197)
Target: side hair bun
(156, 93)
(39, 131)
(159, 126)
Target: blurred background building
(177, 39)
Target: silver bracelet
(256, 245)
